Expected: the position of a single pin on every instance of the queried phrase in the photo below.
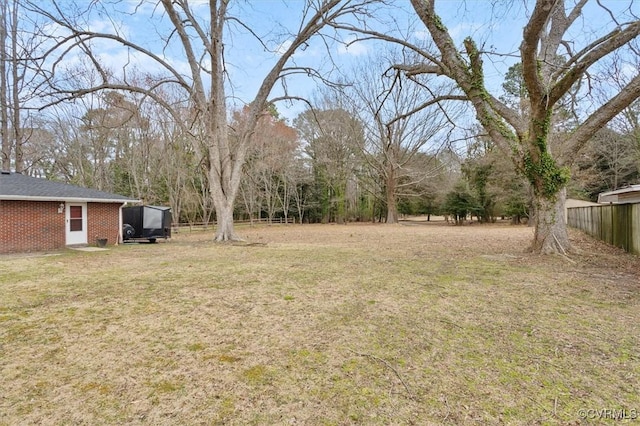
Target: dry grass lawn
(322, 325)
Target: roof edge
(67, 199)
(630, 188)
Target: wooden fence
(616, 224)
(199, 226)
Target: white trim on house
(120, 225)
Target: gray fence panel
(616, 224)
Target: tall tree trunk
(15, 90)
(4, 106)
(392, 204)
(224, 167)
(340, 202)
(224, 187)
(550, 225)
(299, 201)
(224, 221)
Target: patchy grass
(323, 325)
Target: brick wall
(103, 222)
(30, 226)
(37, 225)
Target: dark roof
(15, 186)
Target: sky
(247, 61)
(495, 29)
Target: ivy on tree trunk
(525, 137)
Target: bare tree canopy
(197, 62)
(560, 56)
(201, 33)
(14, 62)
(401, 122)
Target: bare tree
(177, 167)
(554, 64)
(18, 82)
(270, 157)
(4, 106)
(333, 139)
(608, 162)
(202, 43)
(10, 76)
(300, 179)
(546, 80)
(400, 122)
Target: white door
(76, 223)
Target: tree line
(390, 135)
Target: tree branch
(529, 48)
(375, 35)
(417, 69)
(590, 55)
(427, 104)
(198, 89)
(601, 117)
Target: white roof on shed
(628, 194)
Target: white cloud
(464, 29)
(303, 51)
(457, 32)
(284, 46)
(100, 26)
(422, 35)
(629, 71)
(352, 47)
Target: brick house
(39, 215)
